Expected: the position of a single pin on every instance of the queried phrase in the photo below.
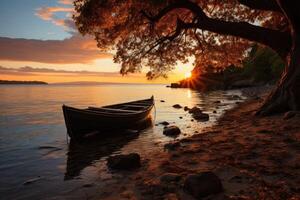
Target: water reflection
(31, 116)
(82, 154)
(189, 93)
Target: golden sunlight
(188, 75)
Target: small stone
(201, 116)
(165, 123)
(180, 117)
(162, 101)
(177, 106)
(172, 146)
(87, 185)
(124, 162)
(171, 131)
(127, 194)
(203, 184)
(170, 177)
(171, 196)
(195, 109)
(214, 111)
(290, 114)
(186, 108)
(30, 181)
(217, 101)
(235, 97)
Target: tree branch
(179, 4)
(278, 41)
(268, 5)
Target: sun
(188, 75)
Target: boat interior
(131, 107)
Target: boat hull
(83, 122)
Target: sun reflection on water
(189, 93)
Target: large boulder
(124, 162)
(171, 131)
(203, 184)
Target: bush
(262, 65)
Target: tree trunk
(286, 96)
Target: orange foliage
(123, 26)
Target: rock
(171, 196)
(172, 146)
(177, 106)
(162, 101)
(171, 131)
(195, 109)
(214, 111)
(180, 117)
(290, 114)
(170, 177)
(235, 97)
(203, 184)
(217, 101)
(175, 85)
(87, 185)
(201, 116)
(30, 181)
(165, 123)
(185, 108)
(124, 162)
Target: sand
(255, 158)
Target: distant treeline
(23, 82)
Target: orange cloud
(47, 13)
(76, 49)
(66, 2)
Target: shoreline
(254, 157)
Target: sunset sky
(39, 41)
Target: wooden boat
(82, 122)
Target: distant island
(23, 82)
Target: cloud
(76, 49)
(66, 2)
(27, 70)
(49, 14)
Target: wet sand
(255, 158)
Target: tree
(158, 33)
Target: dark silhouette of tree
(158, 33)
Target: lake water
(37, 162)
